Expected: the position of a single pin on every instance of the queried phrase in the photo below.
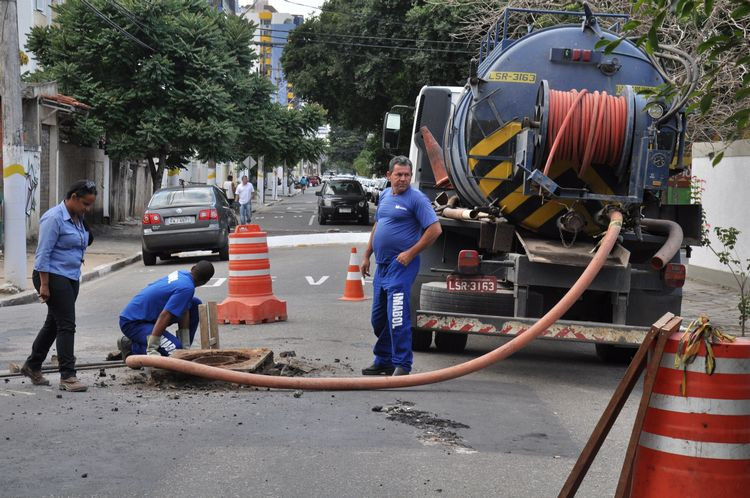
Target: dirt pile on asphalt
(436, 431)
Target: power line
(109, 21)
(129, 14)
(282, 45)
(392, 47)
(373, 37)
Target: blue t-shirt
(173, 293)
(401, 220)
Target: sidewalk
(114, 246)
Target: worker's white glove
(152, 345)
(184, 336)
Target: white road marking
(311, 281)
(312, 218)
(218, 282)
(19, 392)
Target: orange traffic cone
(353, 290)
(250, 297)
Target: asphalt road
(512, 430)
(298, 215)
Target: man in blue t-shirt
(405, 225)
(169, 300)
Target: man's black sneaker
(399, 371)
(376, 369)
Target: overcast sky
(292, 8)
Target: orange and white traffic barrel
(353, 288)
(250, 296)
(697, 444)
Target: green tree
(344, 145)
(298, 129)
(172, 95)
(360, 57)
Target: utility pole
(14, 173)
(211, 176)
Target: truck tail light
(468, 262)
(208, 214)
(151, 219)
(674, 275)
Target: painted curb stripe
(13, 169)
(723, 365)
(695, 449)
(246, 257)
(700, 405)
(249, 273)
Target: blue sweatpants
(138, 331)
(391, 317)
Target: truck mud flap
(599, 333)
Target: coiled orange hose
(586, 128)
(378, 382)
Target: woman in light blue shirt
(63, 239)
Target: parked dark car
(342, 200)
(192, 218)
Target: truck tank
(502, 132)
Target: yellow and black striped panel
(494, 179)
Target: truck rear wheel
(434, 296)
(421, 340)
(448, 342)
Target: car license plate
(180, 220)
(478, 284)
(345, 210)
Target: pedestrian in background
(229, 187)
(244, 192)
(63, 239)
(405, 225)
(303, 182)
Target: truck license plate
(345, 210)
(180, 220)
(479, 284)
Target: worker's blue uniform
(173, 293)
(401, 221)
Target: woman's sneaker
(35, 375)
(73, 385)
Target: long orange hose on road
(364, 383)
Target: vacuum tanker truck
(553, 129)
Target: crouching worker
(167, 301)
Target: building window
(40, 5)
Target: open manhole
(241, 360)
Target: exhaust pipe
(673, 231)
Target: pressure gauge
(655, 111)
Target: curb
(31, 296)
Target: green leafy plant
(730, 257)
